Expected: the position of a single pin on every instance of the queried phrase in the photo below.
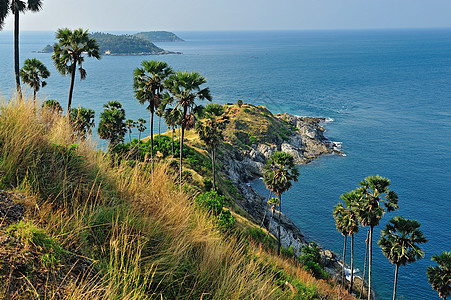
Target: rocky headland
(303, 137)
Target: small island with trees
(125, 44)
(159, 36)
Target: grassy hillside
(93, 232)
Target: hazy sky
(120, 15)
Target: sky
(191, 15)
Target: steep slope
(136, 234)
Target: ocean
(386, 92)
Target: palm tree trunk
(181, 154)
(266, 208)
(182, 135)
(270, 220)
(159, 127)
(151, 139)
(34, 97)
(16, 52)
(139, 137)
(344, 262)
(172, 145)
(396, 281)
(370, 250)
(278, 226)
(213, 166)
(352, 264)
(130, 136)
(71, 88)
(364, 264)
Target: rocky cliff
(303, 137)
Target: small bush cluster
(311, 259)
(214, 204)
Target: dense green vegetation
(158, 36)
(124, 44)
(120, 45)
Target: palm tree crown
(69, 51)
(439, 277)
(377, 198)
(279, 172)
(32, 72)
(400, 239)
(399, 243)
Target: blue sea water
(388, 92)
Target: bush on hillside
(214, 203)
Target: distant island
(158, 36)
(111, 44)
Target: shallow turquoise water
(389, 93)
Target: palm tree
(375, 198)
(399, 243)
(83, 120)
(16, 7)
(211, 132)
(68, 52)
(352, 224)
(130, 124)
(32, 72)
(439, 277)
(172, 118)
(278, 175)
(141, 128)
(112, 126)
(185, 88)
(148, 83)
(341, 215)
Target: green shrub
(311, 259)
(214, 203)
(225, 220)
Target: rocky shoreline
(306, 144)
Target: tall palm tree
(148, 83)
(32, 72)
(16, 7)
(211, 132)
(400, 243)
(68, 53)
(185, 88)
(278, 174)
(351, 200)
(439, 277)
(375, 199)
(172, 118)
(341, 215)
